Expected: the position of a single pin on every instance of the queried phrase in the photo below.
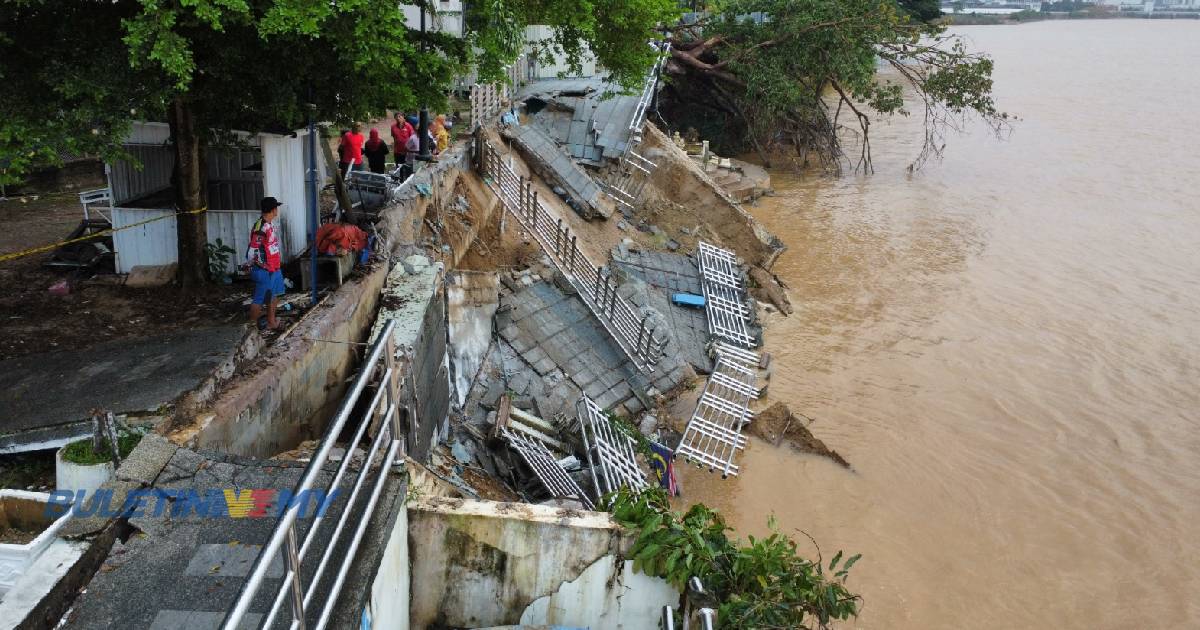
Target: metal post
(293, 566)
(314, 219)
(574, 250)
(557, 236)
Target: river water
(1006, 346)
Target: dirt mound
(777, 422)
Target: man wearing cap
(265, 261)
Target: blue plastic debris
(687, 299)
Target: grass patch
(81, 452)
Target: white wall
(155, 243)
(447, 18)
(481, 563)
(389, 603)
(533, 34)
(284, 178)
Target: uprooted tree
(765, 75)
(77, 73)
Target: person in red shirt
(351, 147)
(265, 262)
(401, 132)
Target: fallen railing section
(629, 179)
(627, 326)
(383, 412)
(721, 279)
(608, 450)
(546, 468)
(714, 434)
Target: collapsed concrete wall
(480, 564)
(679, 180)
(415, 298)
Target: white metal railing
(703, 616)
(607, 449)
(629, 178)
(628, 327)
(714, 434)
(382, 412)
(648, 90)
(721, 279)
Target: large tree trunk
(189, 179)
(339, 183)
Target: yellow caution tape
(94, 235)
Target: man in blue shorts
(265, 261)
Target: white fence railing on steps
(631, 329)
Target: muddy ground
(98, 308)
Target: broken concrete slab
(144, 276)
(147, 460)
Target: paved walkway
(654, 276)
(182, 572)
(555, 332)
(41, 396)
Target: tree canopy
(760, 74)
(78, 72)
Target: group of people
(406, 144)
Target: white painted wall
(533, 35)
(447, 17)
(472, 298)
(598, 598)
(389, 603)
(482, 563)
(284, 178)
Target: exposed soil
(777, 420)
(32, 471)
(492, 251)
(14, 536)
(98, 308)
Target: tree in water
(762, 74)
(77, 73)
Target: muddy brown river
(1006, 346)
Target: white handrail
(380, 360)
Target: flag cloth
(661, 462)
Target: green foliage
(80, 452)
(811, 64)
(624, 426)
(923, 10)
(762, 584)
(218, 254)
(76, 72)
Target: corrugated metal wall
(230, 185)
(284, 178)
(237, 180)
(151, 244)
(155, 243)
(233, 228)
(129, 183)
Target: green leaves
(762, 584)
(765, 72)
